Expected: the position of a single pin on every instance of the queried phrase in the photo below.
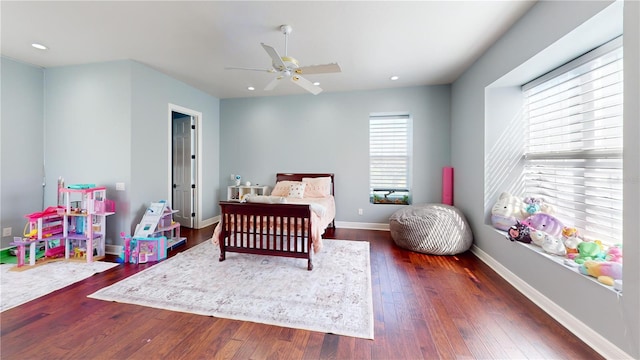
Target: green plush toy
(588, 250)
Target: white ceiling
(422, 42)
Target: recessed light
(39, 46)
(316, 83)
(251, 88)
(394, 77)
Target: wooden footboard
(266, 229)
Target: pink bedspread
(323, 211)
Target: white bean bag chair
(435, 229)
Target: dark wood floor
(426, 307)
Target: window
(573, 147)
(390, 152)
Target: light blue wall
(473, 132)
(88, 131)
(21, 149)
(109, 122)
(151, 94)
(330, 133)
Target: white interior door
(183, 168)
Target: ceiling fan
(288, 68)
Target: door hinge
(193, 186)
(193, 127)
(193, 214)
(193, 156)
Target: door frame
(197, 137)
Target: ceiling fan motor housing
(289, 62)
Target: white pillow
(296, 190)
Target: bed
(289, 222)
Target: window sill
(560, 261)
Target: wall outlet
(6, 231)
(359, 211)
(232, 177)
(120, 186)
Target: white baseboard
(596, 341)
(113, 249)
(207, 222)
(363, 226)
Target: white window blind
(573, 156)
(390, 151)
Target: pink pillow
(317, 187)
(282, 188)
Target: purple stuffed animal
(545, 223)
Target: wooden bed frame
(246, 227)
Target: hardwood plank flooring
(425, 307)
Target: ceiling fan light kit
(288, 67)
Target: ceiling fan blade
(273, 83)
(319, 69)
(306, 84)
(278, 64)
(252, 69)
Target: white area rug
(335, 297)
(19, 287)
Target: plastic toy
(125, 254)
(55, 252)
(506, 211)
(605, 271)
(546, 223)
(80, 253)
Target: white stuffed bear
(507, 210)
(537, 237)
(553, 245)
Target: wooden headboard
(299, 176)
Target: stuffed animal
(537, 237)
(536, 205)
(545, 223)
(568, 232)
(553, 245)
(605, 271)
(506, 211)
(588, 250)
(571, 239)
(519, 232)
(614, 254)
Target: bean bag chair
(435, 229)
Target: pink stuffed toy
(614, 254)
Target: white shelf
(235, 193)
